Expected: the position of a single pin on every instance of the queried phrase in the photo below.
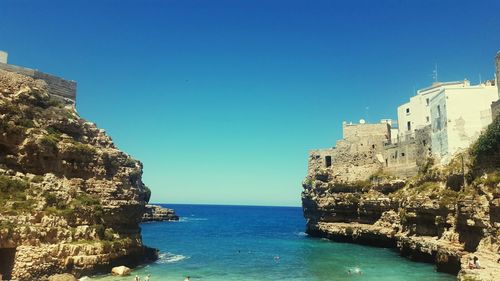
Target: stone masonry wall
(57, 86)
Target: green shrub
(49, 141)
(109, 234)
(448, 197)
(9, 187)
(82, 150)
(37, 179)
(26, 123)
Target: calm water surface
(263, 243)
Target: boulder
(120, 270)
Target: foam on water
(170, 258)
(236, 243)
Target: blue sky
(221, 100)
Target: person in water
(147, 277)
(187, 278)
(137, 278)
(476, 263)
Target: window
(328, 161)
(373, 146)
(427, 119)
(408, 125)
(439, 111)
(424, 142)
(402, 154)
(427, 101)
(408, 110)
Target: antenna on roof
(435, 73)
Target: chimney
(3, 57)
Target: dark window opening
(408, 125)
(427, 101)
(408, 110)
(7, 256)
(387, 162)
(328, 161)
(373, 146)
(402, 154)
(424, 142)
(439, 111)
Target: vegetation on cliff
(444, 214)
(69, 200)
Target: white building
(458, 114)
(3, 57)
(415, 114)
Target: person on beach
(147, 277)
(476, 263)
(471, 263)
(137, 278)
(187, 278)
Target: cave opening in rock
(7, 256)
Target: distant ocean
(263, 243)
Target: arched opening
(7, 256)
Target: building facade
(415, 114)
(458, 116)
(3, 57)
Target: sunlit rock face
(70, 201)
(429, 217)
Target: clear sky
(221, 100)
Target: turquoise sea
(263, 243)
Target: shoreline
(447, 257)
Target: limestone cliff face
(70, 201)
(158, 213)
(431, 217)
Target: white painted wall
(3, 57)
(419, 114)
(465, 112)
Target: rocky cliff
(158, 213)
(70, 201)
(431, 217)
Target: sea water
(263, 243)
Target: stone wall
(357, 156)
(57, 86)
(403, 159)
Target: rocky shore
(70, 201)
(431, 217)
(157, 213)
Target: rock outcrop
(431, 217)
(70, 201)
(158, 213)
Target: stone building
(358, 155)
(58, 86)
(3, 57)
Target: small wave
(170, 258)
(184, 219)
(302, 233)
